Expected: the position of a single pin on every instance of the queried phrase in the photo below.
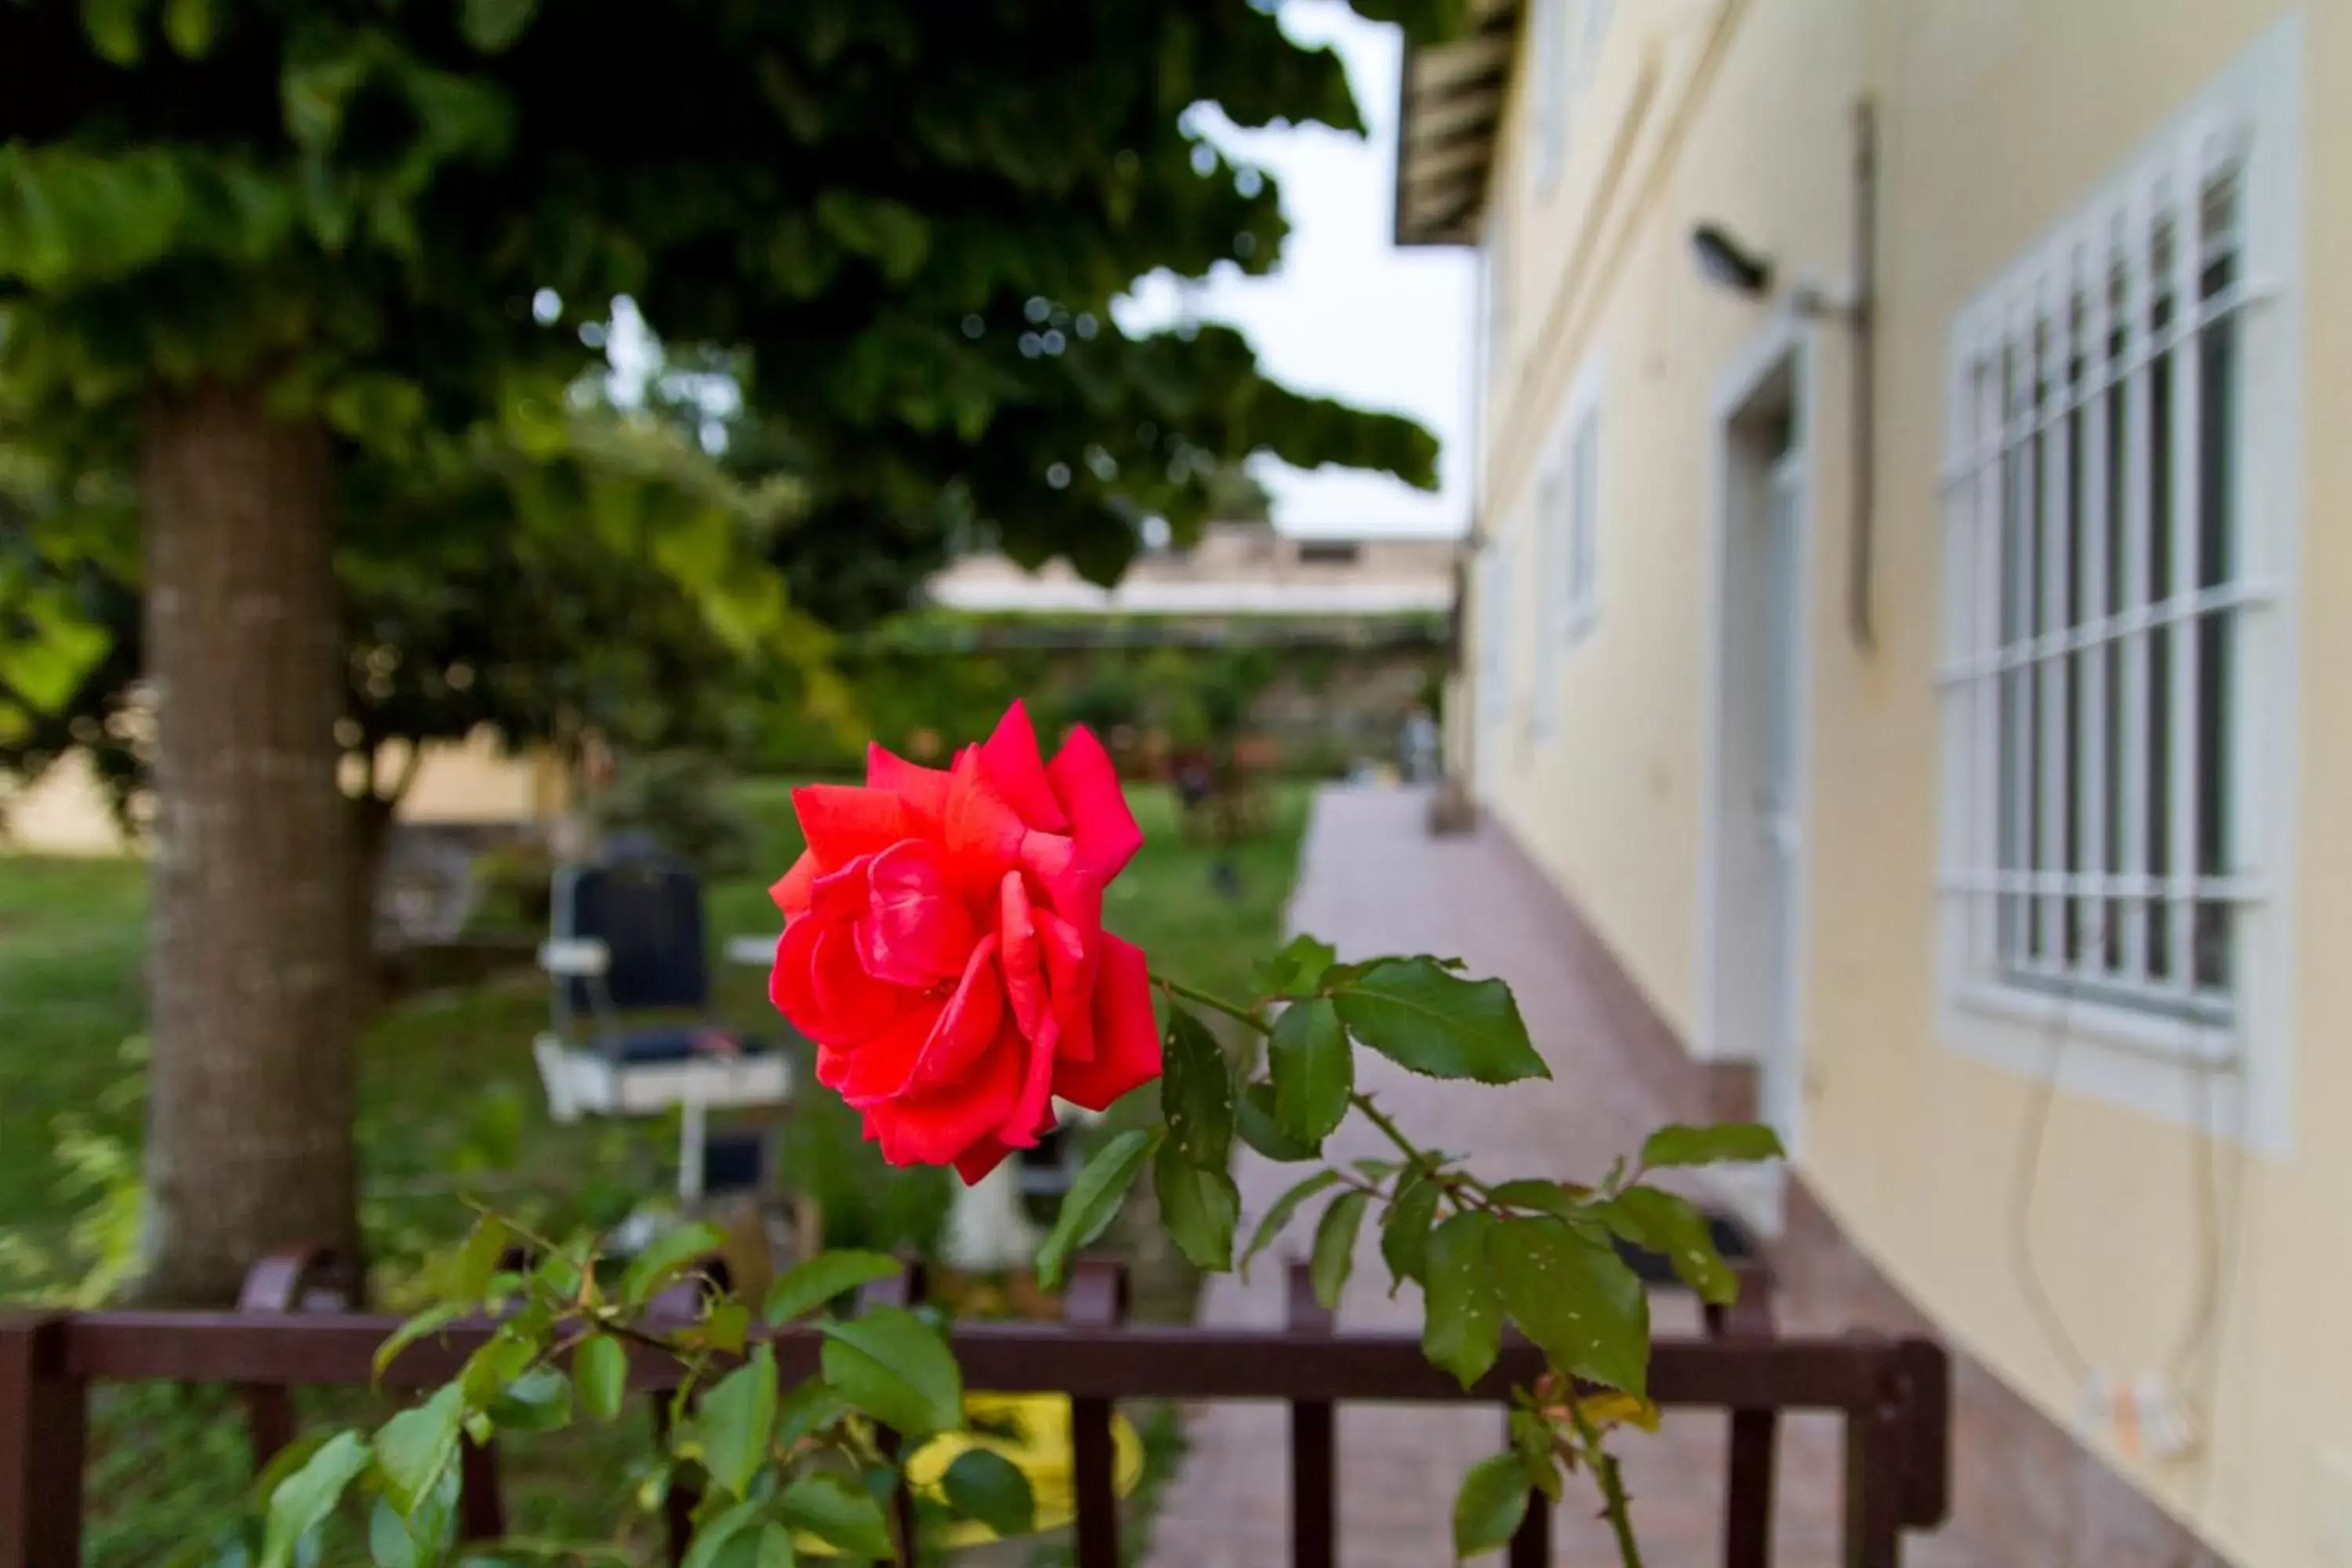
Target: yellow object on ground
(1032, 1430)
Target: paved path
(1373, 881)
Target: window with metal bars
(2103, 565)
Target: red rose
(943, 946)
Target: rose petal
(1036, 1105)
(1075, 896)
(924, 790)
(1013, 765)
(842, 895)
(989, 1152)
(980, 1159)
(843, 821)
(880, 1065)
(935, 1129)
(850, 1004)
(983, 834)
(973, 1015)
(1025, 976)
(792, 892)
(1069, 984)
(1086, 784)
(1127, 1037)
(789, 985)
(914, 931)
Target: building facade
(1909, 567)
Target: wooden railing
(1893, 1394)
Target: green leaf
(828, 1276)
(721, 1531)
(1462, 1332)
(1196, 1093)
(807, 1408)
(504, 1357)
(1685, 1145)
(113, 29)
(726, 1327)
(389, 1542)
(1493, 1501)
(1422, 1017)
(301, 1502)
(1313, 1070)
(1676, 1231)
(1577, 1301)
(1544, 1197)
(775, 1548)
(1531, 1434)
(190, 25)
(1405, 1230)
(982, 1484)
(1198, 1208)
(416, 1446)
(491, 26)
(897, 1368)
(1094, 1198)
(1299, 969)
(431, 1321)
(737, 1418)
(834, 1509)
(1253, 1120)
(538, 1401)
(601, 1367)
(1335, 1246)
(1284, 1208)
(666, 1260)
(477, 1263)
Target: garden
(453, 1118)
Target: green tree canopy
(292, 300)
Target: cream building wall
(2178, 1223)
(66, 812)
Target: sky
(1348, 313)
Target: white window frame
(1568, 529)
(2064, 967)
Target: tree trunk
(249, 1142)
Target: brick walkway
(1373, 881)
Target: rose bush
(943, 946)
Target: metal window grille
(2099, 586)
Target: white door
(1779, 820)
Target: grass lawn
(450, 1102)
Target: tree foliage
(901, 228)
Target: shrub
(687, 802)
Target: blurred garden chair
(631, 1030)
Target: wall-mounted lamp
(1728, 263)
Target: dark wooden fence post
(1878, 1451)
(1097, 1300)
(1314, 1440)
(1755, 1434)
(43, 1409)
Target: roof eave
(1449, 111)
